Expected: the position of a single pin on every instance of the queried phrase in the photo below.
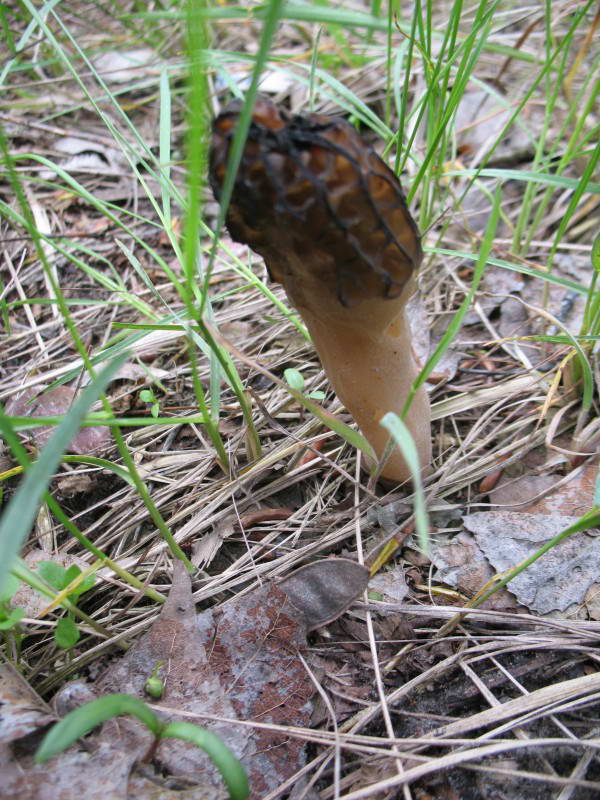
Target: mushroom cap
(320, 206)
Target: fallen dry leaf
(391, 584)
(236, 662)
(572, 498)
(461, 563)
(26, 597)
(74, 775)
(592, 601)
(35, 402)
(560, 578)
(206, 548)
(495, 289)
(521, 492)
(480, 119)
(239, 661)
(22, 710)
(85, 155)
(74, 483)
(77, 774)
(324, 590)
(263, 515)
(125, 66)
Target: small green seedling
(148, 396)
(66, 633)
(295, 379)
(85, 718)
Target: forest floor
(415, 687)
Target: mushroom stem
(371, 371)
(376, 380)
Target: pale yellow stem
(367, 354)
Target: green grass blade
(228, 765)
(453, 328)
(589, 520)
(546, 178)
(22, 508)
(405, 442)
(85, 718)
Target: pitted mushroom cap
(319, 205)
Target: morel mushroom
(330, 220)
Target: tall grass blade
(22, 508)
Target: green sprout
(154, 685)
(295, 379)
(148, 396)
(85, 718)
(66, 633)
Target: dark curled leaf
(324, 590)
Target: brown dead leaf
(190, 686)
(75, 774)
(324, 590)
(480, 119)
(564, 578)
(567, 305)
(462, 564)
(206, 548)
(592, 601)
(124, 66)
(495, 289)
(26, 597)
(34, 402)
(520, 491)
(74, 483)
(515, 321)
(572, 497)
(391, 584)
(263, 515)
(235, 662)
(423, 343)
(85, 155)
(143, 375)
(22, 710)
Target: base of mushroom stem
(367, 464)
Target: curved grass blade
(228, 765)
(85, 718)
